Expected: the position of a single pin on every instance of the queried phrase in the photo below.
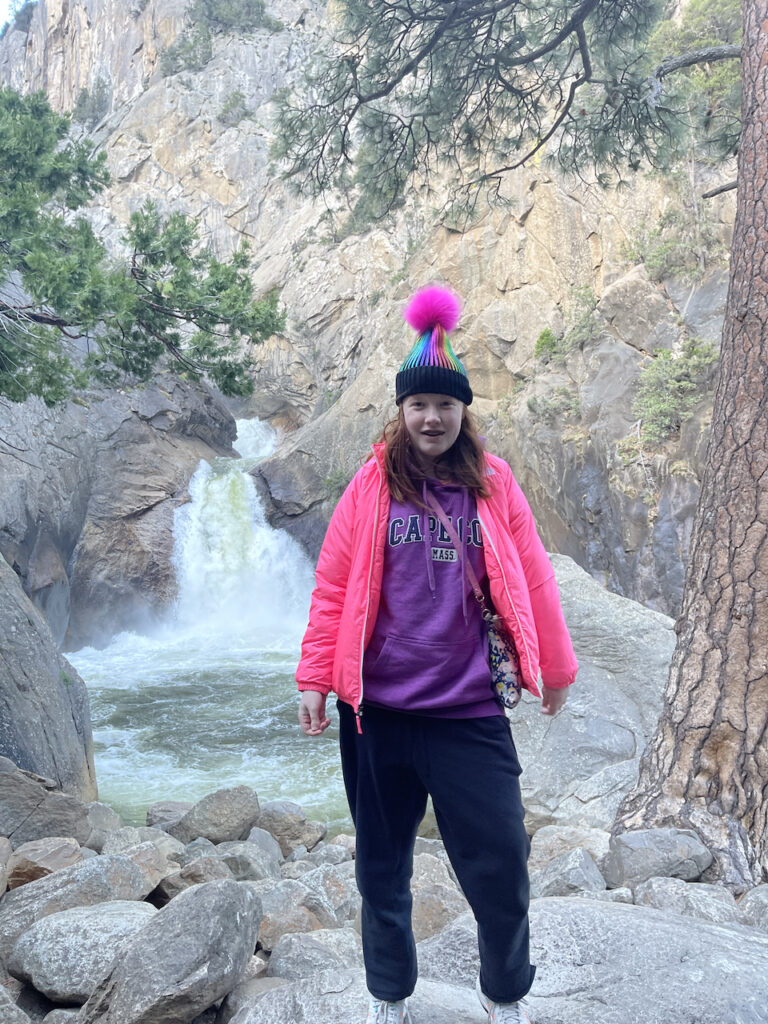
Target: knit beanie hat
(431, 367)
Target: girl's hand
(553, 699)
(312, 717)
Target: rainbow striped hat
(431, 366)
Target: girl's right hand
(312, 717)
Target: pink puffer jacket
(345, 600)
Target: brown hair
(463, 463)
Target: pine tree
(69, 312)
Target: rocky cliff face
(89, 491)
(198, 140)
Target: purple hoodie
(429, 650)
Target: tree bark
(707, 766)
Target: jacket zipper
(509, 596)
(359, 712)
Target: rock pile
(218, 912)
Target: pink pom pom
(432, 306)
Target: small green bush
(582, 328)
(546, 345)
(92, 105)
(671, 385)
(234, 109)
(190, 52)
(229, 15)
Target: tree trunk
(707, 766)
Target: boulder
(635, 857)
(248, 861)
(297, 956)
(571, 872)
(622, 895)
(218, 922)
(60, 1017)
(436, 898)
(152, 862)
(336, 884)
(289, 906)
(694, 899)
(586, 759)
(31, 807)
(244, 994)
(552, 840)
(99, 880)
(266, 841)
(9, 1011)
(66, 955)
(341, 997)
(167, 810)
(3, 879)
(103, 821)
(753, 907)
(345, 840)
(127, 837)
(324, 853)
(224, 816)
(451, 953)
(45, 722)
(296, 868)
(288, 823)
(194, 872)
(41, 857)
(197, 848)
(5, 849)
(608, 963)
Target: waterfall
(208, 699)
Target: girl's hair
(463, 463)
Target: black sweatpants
(470, 769)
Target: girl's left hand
(553, 699)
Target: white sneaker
(501, 1013)
(381, 1012)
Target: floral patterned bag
(502, 653)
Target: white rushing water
(208, 699)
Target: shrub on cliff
(69, 311)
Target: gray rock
(99, 880)
(224, 816)
(587, 757)
(299, 853)
(266, 841)
(571, 872)
(195, 872)
(248, 861)
(9, 1011)
(66, 955)
(245, 994)
(41, 857)
(3, 879)
(297, 956)
(45, 723)
(326, 854)
(152, 862)
(60, 1017)
(32, 807)
(694, 899)
(288, 823)
(5, 849)
(167, 810)
(607, 895)
(552, 840)
(451, 953)
(341, 996)
(127, 837)
(290, 906)
(197, 848)
(218, 922)
(753, 907)
(103, 821)
(635, 857)
(609, 963)
(295, 869)
(336, 885)
(349, 843)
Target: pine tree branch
(728, 187)
(708, 55)
(574, 23)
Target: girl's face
(433, 423)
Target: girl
(396, 632)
